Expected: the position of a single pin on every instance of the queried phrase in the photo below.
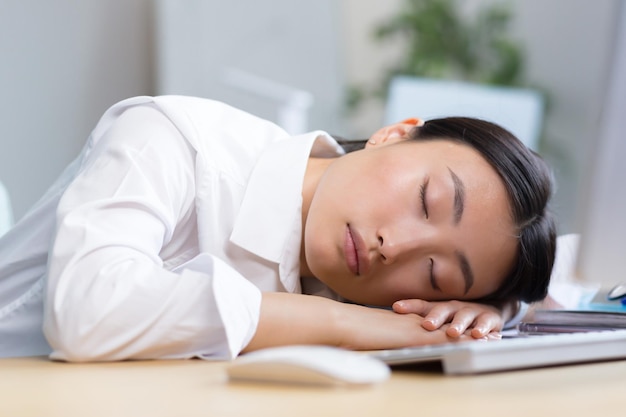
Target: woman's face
(427, 220)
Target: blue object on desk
(611, 301)
(617, 293)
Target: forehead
(488, 232)
(491, 247)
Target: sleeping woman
(188, 228)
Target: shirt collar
(269, 222)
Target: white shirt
(161, 236)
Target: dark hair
(528, 182)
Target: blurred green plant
(441, 42)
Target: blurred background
(307, 64)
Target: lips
(355, 253)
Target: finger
(438, 316)
(415, 306)
(462, 320)
(485, 324)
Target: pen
(550, 328)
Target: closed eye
(433, 281)
(423, 189)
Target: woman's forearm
(288, 319)
(294, 319)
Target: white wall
(65, 61)
(292, 43)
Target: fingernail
(494, 336)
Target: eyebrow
(468, 275)
(459, 196)
(459, 206)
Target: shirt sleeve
(109, 296)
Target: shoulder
(220, 132)
(225, 138)
(197, 116)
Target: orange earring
(411, 121)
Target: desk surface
(38, 387)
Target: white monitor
(602, 212)
(520, 110)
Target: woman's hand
(481, 320)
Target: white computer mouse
(308, 364)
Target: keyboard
(514, 353)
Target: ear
(394, 133)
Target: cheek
(317, 242)
(401, 281)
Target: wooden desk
(38, 387)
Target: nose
(406, 241)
